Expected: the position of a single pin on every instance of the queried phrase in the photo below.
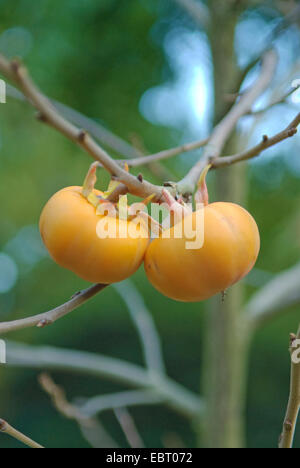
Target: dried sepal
(201, 195)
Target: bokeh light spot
(16, 42)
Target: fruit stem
(90, 180)
(201, 195)
(89, 185)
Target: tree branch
(166, 154)
(266, 143)
(145, 325)
(90, 427)
(9, 430)
(48, 114)
(48, 358)
(129, 428)
(290, 421)
(281, 100)
(111, 140)
(100, 133)
(96, 405)
(47, 318)
(281, 292)
(224, 129)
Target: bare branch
(290, 421)
(90, 427)
(275, 102)
(9, 430)
(224, 129)
(266, 143)
(281, 292)
(145, 325)
(48, 358)
(196, 10)
(129, 428)
(48, 114)
(47, 318)
(166, 154)
(134, 185)
(96, 405)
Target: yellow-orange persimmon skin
(68, 228)
(230, 250)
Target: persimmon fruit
(70, 231)
(230, 250)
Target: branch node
(3, 425)
(140, 178)
(265, 138)
(293, 337)
(288, 425)
(292, 132)
(76, 294)
(82, 134)
(41, 117)
(15, 67)
(44, 323)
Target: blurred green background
(143, 70)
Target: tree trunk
(225, 344)
(225, 355)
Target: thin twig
(9, 430)
(222, 131)
(156, 167)
(48, 358)
(266, 143)
(90, 427)
(276, 102)
(290, 421)
(166, 154)
(96, 405)
(129, 428)
(145, 325)
(48, 318)
(16, 72)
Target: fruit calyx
(121, 207)
(201, 195)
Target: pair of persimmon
(69, 227)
